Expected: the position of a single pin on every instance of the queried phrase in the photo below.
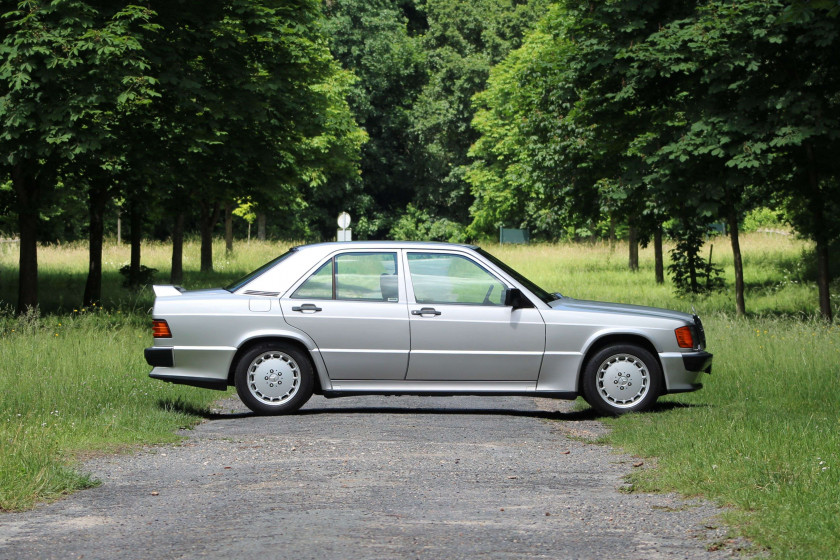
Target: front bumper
(698, 361)
(683, 370)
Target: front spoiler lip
(698, 361)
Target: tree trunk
(659, 265)
(732, 223)
(176, 275)
(229, 228)
(823, 279)
(633, 261)
(692, 272)
(28, 191)
(119, 226)
(136, 237)
(261, 226)
(820, 238)
(96, 210)
(612, 232)
(209, 217)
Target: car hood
(571, 304)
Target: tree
(754, 96)
(464, 40)
(65, 67)
(378, 42)
(252, 105)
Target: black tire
(274, 378)
(622, 378)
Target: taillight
(685, 338)
(160, 329)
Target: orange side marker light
(684, 337)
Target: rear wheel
(622, 378)
(274, 378)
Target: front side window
(445, 278)
(354, 276)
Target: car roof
(386, 245)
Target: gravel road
(372, 477)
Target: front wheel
(274, 378)
(622, 378)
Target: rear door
(353, 306)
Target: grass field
(763, 435)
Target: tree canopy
(426, 119)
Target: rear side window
(354, 276)
(250, 276)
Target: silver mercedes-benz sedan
(361, 318)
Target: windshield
(250, 276)
(545, 296)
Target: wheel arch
(248, 344)
(615, 338)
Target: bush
(762, 218)
(143, 277)
(418, 225)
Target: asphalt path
(373, 477)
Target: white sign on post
(344, 234)
(344, 220)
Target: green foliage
(762, 218)
(682, 111)
(464, 41)
(374, 40)
(65, 68)
(417, 225)
(418, 64)
(691, 273)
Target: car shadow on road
(585, 414)
(177, 405)
(443, 411)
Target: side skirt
(442, 389)
(564, 395)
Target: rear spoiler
(161, 291)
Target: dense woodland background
(425, 119)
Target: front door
(352, 307)
(460, 328)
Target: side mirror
(516, 299)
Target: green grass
(73, 385)
(762, 437)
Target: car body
(341, 319)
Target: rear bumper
(159, 357)
(203, 382)
(199, 366)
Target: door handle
(425, 311)
(306, 307)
